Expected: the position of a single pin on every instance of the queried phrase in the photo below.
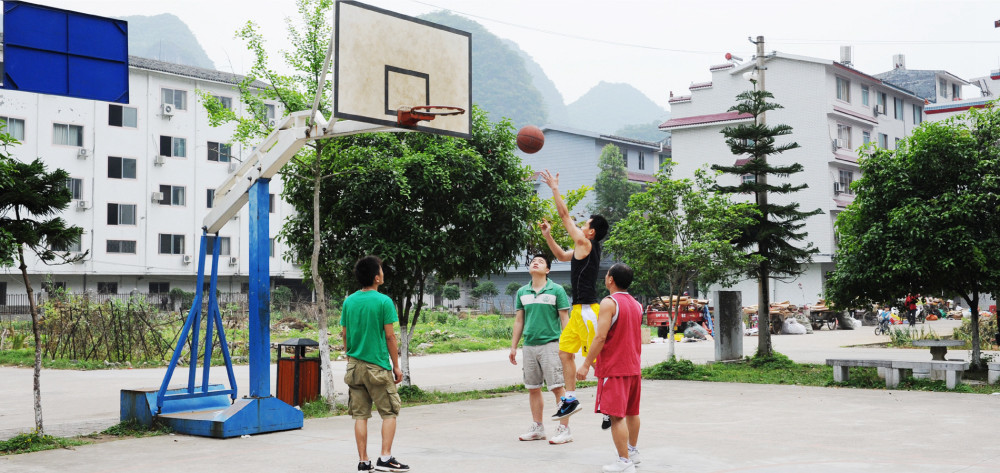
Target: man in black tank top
(585, 259)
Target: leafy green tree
(427, 205)
(613, 188)
(512, 291)
(677, 233)
(451, 292)
(485, 290)
(537, 244)
(925, 218)
(775, 231)
(30, 199)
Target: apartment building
(143, 177)
(833, 110)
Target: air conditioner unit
(233, 260)
(186, 259)
(271, 123)
(836, 188)
(159, 160)
(157, 197)
(78, 258)
(167, 110)
(82, 204)
(82, 153)
(233, 166)
(879, 109)
(833, 145)
(841, 143)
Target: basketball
(530, 139)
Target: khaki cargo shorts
(368, 384)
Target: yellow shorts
(580, 329)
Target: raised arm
(574, 231)
(559, 252)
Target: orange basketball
(530, 139)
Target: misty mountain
(166, 38)
(643, 131)
(609, 107)
(554, 103)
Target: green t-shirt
(365, 314)
(541, 312)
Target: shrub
(776, 361)
(987, 330)
(671, 369)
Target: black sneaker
(391, 465)
(365, 466)
(567, 408)
(606, 422)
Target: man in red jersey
(617, 346)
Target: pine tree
(775, 231)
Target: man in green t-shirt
(542, 310)
(370, 344)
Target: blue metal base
(140, 404)
(246, 416)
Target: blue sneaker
(567, 408)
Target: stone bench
(893, 369)
(994, 374)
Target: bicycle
(883, 325)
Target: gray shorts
(542, 362)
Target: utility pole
(763, 282)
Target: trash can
(298, 376)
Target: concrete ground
(686, 426)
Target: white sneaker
(620, 466)
(562, 435)
(536, 432)
(634, 456)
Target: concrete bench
(893, 369)
(841, 365)
(994, 374)
(953, 370)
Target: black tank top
(583, 274)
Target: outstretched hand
(545, 227)
(550, 180)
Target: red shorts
(618, 396)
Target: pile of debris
(820, 306)
(682, 303)
(784, 309)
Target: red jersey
(621, 353)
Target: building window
(864, 95)
(642, 160)
(172, 195)
(121, 246)
(177, 98)
(272, 248)
(70, 135)
(107, 287)
(244, 287)
(159, 288)
(171, 244)
(220, 152)
(119, 115)
(943, 87)
(844, 89)
(624, 156)
(918, 114)
(223, 245)
(866, 137)
(270, 203)
(226, 102)
(173, 146)
(209, 198)
(121, 214)
(269, 111)
(13, 127)
(75, 186)
(846, 178)
(897, 106)
(663, 159)
(121, 168)
(883, 141)
(844, 136)
(73, 247)
(748, 178)
(956, 92)
(881, 102)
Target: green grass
(35, 442)
(26, 358)
(779, 369)
(132, 428)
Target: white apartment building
(142, 177)
(833, 109)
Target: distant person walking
(584, 258)
(616, 350)
(370, 343)
(911, 309)
(542, 310)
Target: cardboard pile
(784, 309)
(682, 303)
(820, 306)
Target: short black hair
(621, 273)
(548, 262)
(600, 226)
(366, 269)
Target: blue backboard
(60, 52)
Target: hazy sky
(657, 46)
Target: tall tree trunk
(763, 312)
(36, 388)
(974, 325)
(326, 367)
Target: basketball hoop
(409, 116)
